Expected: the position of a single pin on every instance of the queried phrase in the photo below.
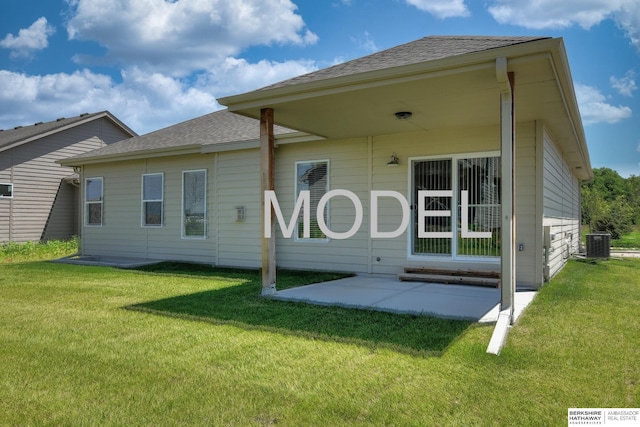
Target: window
(6, 191)
(93, 201)
(194, 203)
(152, 192)
(313, 176)
(470, 204)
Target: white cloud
(626, 84)
(542, 14)
(365, 42)
(182, 36)
(144, 100)
(594, 108)
(238, 75)
(442, 8)
(176, 58)
(28, 40)
(552, 13)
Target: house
(471, 132)
(38, 197)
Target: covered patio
(478, 304)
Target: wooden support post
(267, 162)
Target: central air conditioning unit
(598, 245)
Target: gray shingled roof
(22, 134)
(426, 49)
(213, 128)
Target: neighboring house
(38, 197)
(435, 114)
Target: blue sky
(154, 63)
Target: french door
(456, 206)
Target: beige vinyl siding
(38, 182)
(527, 262)
(350, 169)
(122, 232)
(238, 184)
(391, 255)
(561, 208)
(347, 170)
(360, 165)
(233, 179)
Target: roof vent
(60, 119)
(39, 123)
(18, 127)
(84, 114)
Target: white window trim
(143, 201)
(86, 203)
(184, 236)
(454, 213)
(313, 214)
(10, 184)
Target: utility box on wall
(598, 245)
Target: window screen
(313, 176)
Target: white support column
(508, 255)
(267, 174)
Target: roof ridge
(59, 119)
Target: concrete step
(457, 277)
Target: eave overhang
(450, 92)
(285, 138)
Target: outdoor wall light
(403, 115)
(393, 160)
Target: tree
(633, 196)
(611, 203)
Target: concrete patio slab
(389, 294)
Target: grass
(177, 346)
(30, 251)
(628, 241)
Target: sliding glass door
(471, 184)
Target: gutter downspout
(507, 257)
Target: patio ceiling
(439, 94)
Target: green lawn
(628, 241)
(100, 346)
